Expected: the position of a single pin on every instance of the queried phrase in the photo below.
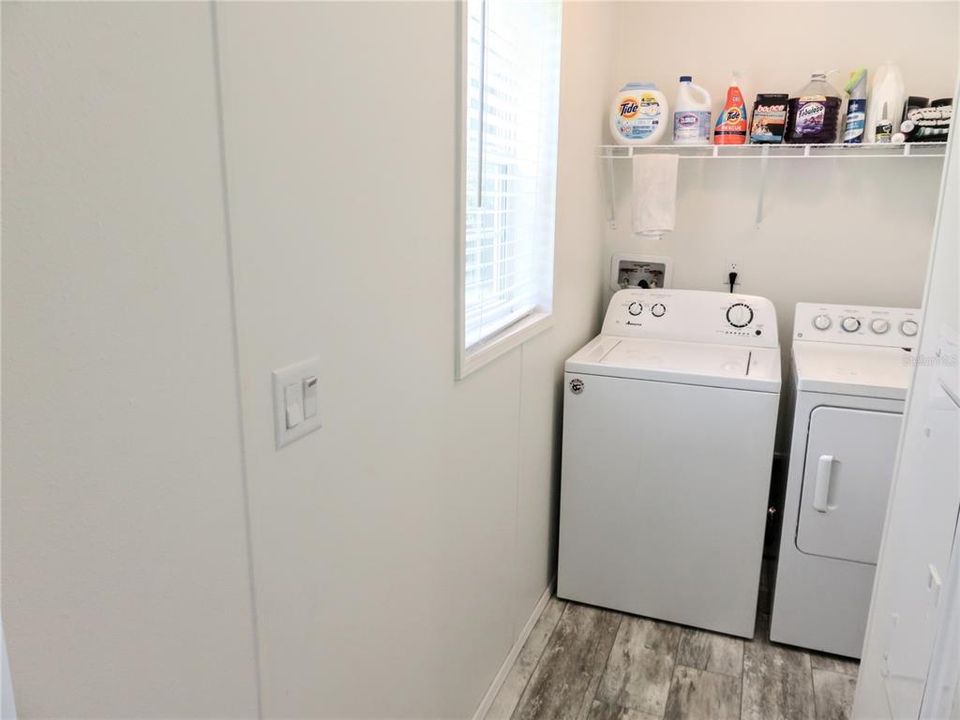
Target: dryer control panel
(692, 315)
(858, 325)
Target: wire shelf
(763, 152)
(769, 150)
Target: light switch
(296, 401)
(293, 402)
(310, 396)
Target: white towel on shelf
(654, 193)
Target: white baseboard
(504, 670)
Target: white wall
(844, 231)
(125, 583)
(399, 550)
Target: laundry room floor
(586, 663)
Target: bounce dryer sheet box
(769, 120)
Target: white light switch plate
(282, 379)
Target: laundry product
(691, 116)
(769, 118)
(731, 127)
(883, 132)
(914, 102)
(928, 124)
(856, 120)
(885, 104)
(814, 114)
(639, 115)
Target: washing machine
(850, 372)
(669, 418)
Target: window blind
(512, 103)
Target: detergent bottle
(691, 116)
(814, 113)
(639, 115)
(885, 104)
(731, 128)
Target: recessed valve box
(628, 270)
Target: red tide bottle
(731, 127)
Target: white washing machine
(668, 429)
(851, 369)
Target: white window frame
(468, 360)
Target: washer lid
(691, 363)
(858, 370)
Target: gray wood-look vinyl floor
(586, 663)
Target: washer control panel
(857, 325)
(692, 315)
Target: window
(511, 97)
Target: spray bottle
(856, 120)
(731, 128)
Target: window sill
(475, 358)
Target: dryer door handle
(821, 491)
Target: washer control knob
(909, 328)
(850, 324)
(879, 326)
(822, 322)
(739, 315)
(658, 310)
(635, 308)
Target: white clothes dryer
(851, 369)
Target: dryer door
(846, 480)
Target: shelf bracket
(764, 160)
(610, 193)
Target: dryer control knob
(658, 310)
(879, 326)
(739, 315)
(909, 328)
(850, 324)
(822, 322)
(635, 308)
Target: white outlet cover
(290, 375)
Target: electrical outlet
(732, 266)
